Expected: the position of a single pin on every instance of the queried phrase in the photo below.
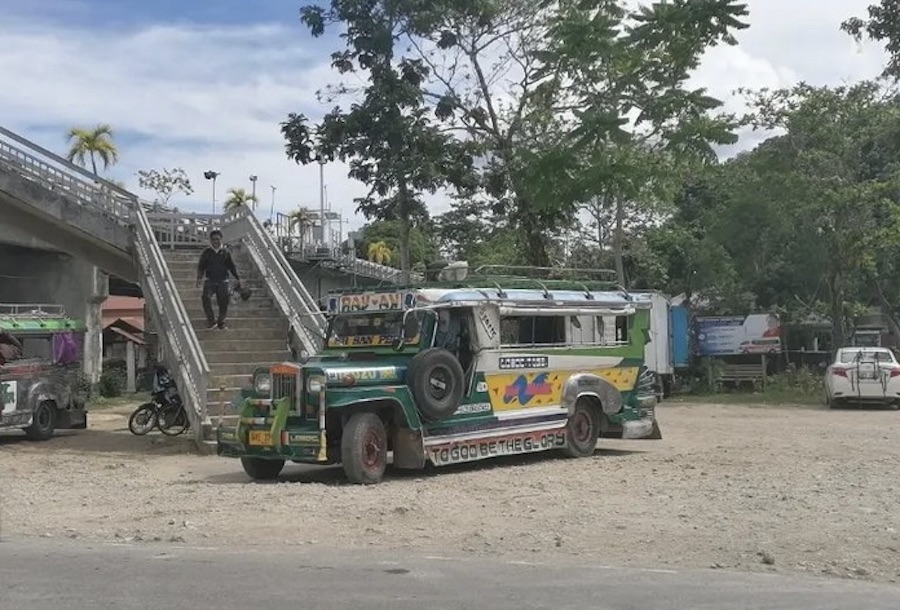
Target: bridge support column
(98, 286)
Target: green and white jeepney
(44, 389)
(449, 373)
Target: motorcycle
(165, 410)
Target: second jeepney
(454, 372)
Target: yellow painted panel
(514, 391)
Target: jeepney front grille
(285, 386)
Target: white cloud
(213, 97)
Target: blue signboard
(732, 335)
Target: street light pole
(253, 179)
(211, 175)
(272, 209)
(321, 161)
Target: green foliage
(113, 379)
(882, 25)
(90, 143)
(238, 197)
(165, 184)
(421, 248)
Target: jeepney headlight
(315, 386)
(262, 382)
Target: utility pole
(211, 175)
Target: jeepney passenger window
(622, 329)
(582, 331)
(533, 330)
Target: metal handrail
(292, 245)
(59, 175)
(303, 312)
(183, 354)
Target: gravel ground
(744, 487)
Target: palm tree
(238, 197)
(302, 219)
(380, 252)
(92, 143)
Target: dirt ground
(741, 487)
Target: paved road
(52, 574)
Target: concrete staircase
(257, 334)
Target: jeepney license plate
(260, 437)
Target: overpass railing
(306, 318)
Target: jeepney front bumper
(295, 445)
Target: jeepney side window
(533, 330)
(582, 330)
(622, 327)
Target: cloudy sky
(204, 84)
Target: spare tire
(437, 381)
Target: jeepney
(454, 372)
(43, 389)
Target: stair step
(238, 335)
(242, 368)
(221, 342)
(214, 358)
(235, 310)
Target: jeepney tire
(435, 364)
(364, 443)
(260, 469)
(582, 429)
(43, 422)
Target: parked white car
(863, 375)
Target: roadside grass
(102, 403)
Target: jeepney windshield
(373, 329)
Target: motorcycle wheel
(143, 420)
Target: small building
(123, 336)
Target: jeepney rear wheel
(582, 430)
(43, 422)
(364, 449)
(260, 469)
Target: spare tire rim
(439, 383)
(371, 449)
(582, 427)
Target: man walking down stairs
(257, 332)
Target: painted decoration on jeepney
(528, 390)
(10, 395)
(510, 444)
(371, 301)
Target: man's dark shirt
(216, 265)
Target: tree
(386, 135)
(238, 197)
(165, 184)
(380, 252)
(422, 249)
(548, 91)
(88, 144)
(302, 219)
(883, 25)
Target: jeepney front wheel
(582, 429)
(364, 449)
(43, 422)
(260, 469)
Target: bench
(739, 374)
